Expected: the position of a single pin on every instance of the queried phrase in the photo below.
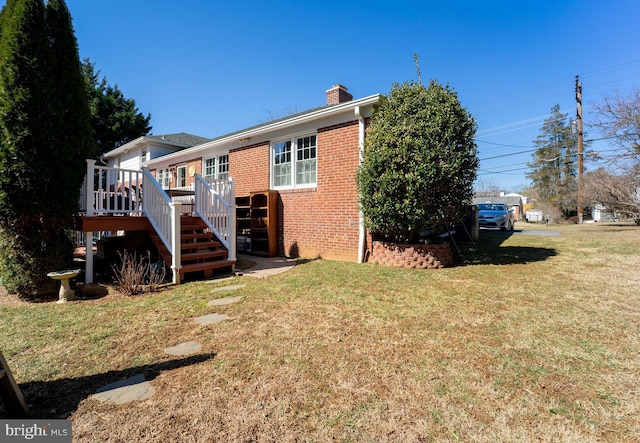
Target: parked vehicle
(495, 215)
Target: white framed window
(181, 176)
(306, 164)
(294, 162)
(164, 177)
(223, 167)
(210, 167)
(217, 167)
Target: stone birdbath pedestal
(66, 293)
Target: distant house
(513, 201)
(134, 154)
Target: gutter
(361, 230)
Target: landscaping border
(417, 256)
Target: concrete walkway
(266, 266)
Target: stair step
(203, 255)
(196, 235)
(200, 245)
(203, 266)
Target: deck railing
(164, 216)
(113, 191)
(214, 204)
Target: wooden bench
(10, 392)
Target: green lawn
(531, 338)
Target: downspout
(361, 233)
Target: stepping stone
(190, 347)
(211, 318)
(224, 301)
(228, 288)
(125, 391)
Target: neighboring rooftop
(181, 138)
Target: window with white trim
(181, 176)
(217, 167)
(164, 177)
(294, 162)
(223, 167)
(210, 167)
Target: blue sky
(212, 67)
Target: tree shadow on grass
(57, 399)
(489, 251)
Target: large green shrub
(420, 161)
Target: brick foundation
(399, 255)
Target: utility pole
(580, 148)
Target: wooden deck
(99, 223)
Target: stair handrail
(214, 204)
(164, 216)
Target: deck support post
(176, 209)
(88, 258)
(88, 240)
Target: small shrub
(135, 276)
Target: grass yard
(533, 338)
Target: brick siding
(316, 222)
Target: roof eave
(274, 126)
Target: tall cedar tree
(420, 162)
(553, 169)
(115, 119)
(45, 136)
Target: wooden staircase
(200, 251)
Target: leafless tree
(618, 185)
(619, 193)
(618, 118)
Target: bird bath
(66, 293)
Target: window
(306, 160)
(217, 167)
(299, 173)
(210, 167)
(164, 178)
(181, 176)
(223, 167)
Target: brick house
(309, 159)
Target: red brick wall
(323, 221)
(249, 167)
(316, 222)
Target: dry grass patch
(533, 338)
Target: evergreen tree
(420, 161)
(115, 118)
(44, 139)
(553, 169)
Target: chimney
(338, 94)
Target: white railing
(214, 203)
(111, 191)
(164, 216)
